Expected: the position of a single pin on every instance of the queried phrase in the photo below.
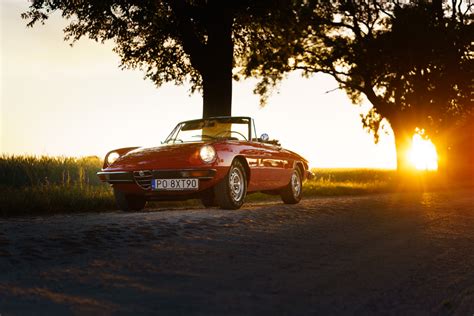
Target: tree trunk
(441, 143)
(403, 137)
(217, 71)
(402, 134)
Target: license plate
(175, 184)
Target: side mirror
(264, 137)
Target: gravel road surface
(397, 254)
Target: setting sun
(422, 154)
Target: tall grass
(359, 175)
(47, 185)
(53, 199)
(330, 182)
(22, 171)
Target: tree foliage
(195, 41)
(412, 60)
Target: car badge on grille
(141, 173)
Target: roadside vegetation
(49, 185)
(330, 182)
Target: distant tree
(412, 61)
(196, 41)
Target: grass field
(48, 185)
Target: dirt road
(390, 254)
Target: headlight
(207, 153)
(112, 157)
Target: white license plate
(175, 184)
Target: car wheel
(292, 193)
(230, 192)
(208, 199)
(129, 203)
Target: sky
(75, 101)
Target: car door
(276, 165)
(269, 166)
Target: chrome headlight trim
(111, 157)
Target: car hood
(162, 157)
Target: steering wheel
(230, 132)
(172, 141)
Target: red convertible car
(218, 160)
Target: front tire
(293, 192)
(128, 203)
(231, 191)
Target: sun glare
(422, 153)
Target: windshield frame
(172, 137)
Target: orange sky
(58, 100)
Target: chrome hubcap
(295, 184)
(236, 184)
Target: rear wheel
(230, 192)
(127, 202)
(292, 193)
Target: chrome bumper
(140, 175)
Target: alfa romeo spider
(218, 160)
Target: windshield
(233, 128)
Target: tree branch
(192, 45)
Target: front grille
(143, 178)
